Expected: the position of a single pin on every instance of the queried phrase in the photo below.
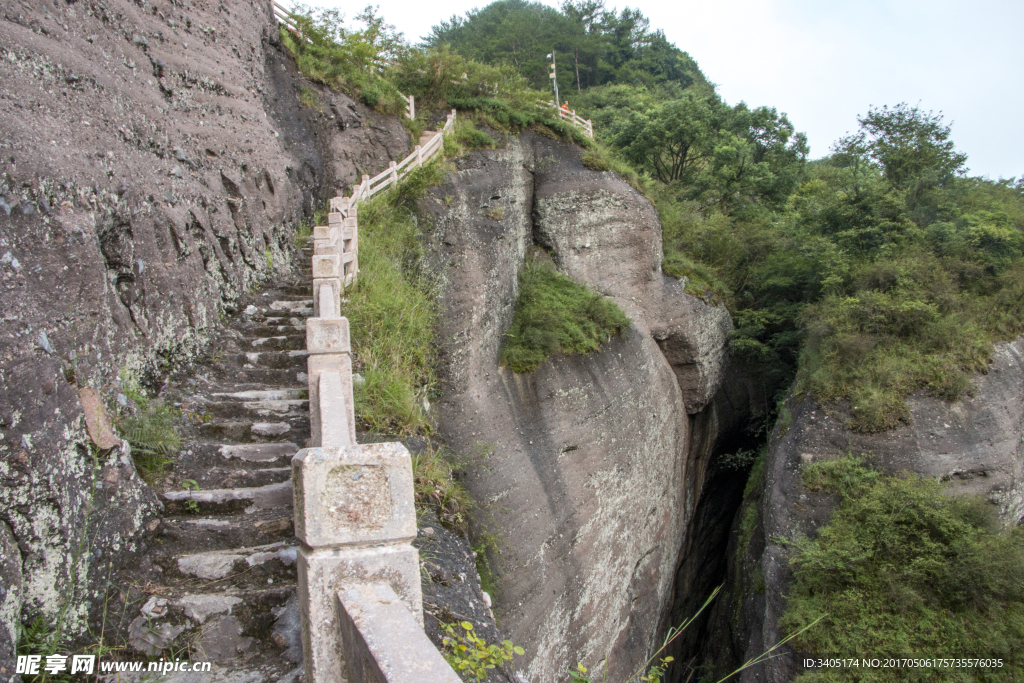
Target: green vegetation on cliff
(906, 570)
(556, 314)
(875, 272)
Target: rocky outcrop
(976, 445)
(588, 479)
(155, 161)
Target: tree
(910, 144)
(674, 141)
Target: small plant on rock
(152, 435)
(595, 162)
(555, 314)
(191, 485)
(309, 98)
(468, 653)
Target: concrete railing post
(327, 271)
(356, 520)
(350, 236)
(394, 174)
(327, 342)
(419, 155)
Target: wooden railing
(360, 599)
(390, 177)
(284, 15)
(572, 117)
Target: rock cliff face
(977, 445)
(154, 164)
(594, 465)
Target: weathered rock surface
(976, 445)
(589, 481)
(154, 163)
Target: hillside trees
(594, 45)
(721, 154)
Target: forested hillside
(878, 270)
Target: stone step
(219, 501)
(264, 394)
(237, 465)
(277, 331)
(231, 373)
(246, 431)
(290, 303)
(260, 376)
(279, 343)
(271, 409)
(302, 288)
(253, 403)
(250, 634)
(280, 360)
(263, 452)
(219, 532)
(273, 559)
(232, 478)
(283, 318)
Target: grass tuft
(555, 314)
(434, 479)
(309, 98)
(596, 162)
(392, 312)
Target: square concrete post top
(327, 265)
(361, 493)
(321, 232)
(325, 335)
(391, 640)
(335, 218)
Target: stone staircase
(225, 546)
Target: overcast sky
(825, 62)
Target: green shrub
(905, 569)
(309, 98)
(346, 59)
(392, 311)
(555, 314)
(470, 655)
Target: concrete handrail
(360, 599)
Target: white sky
(823, 62)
